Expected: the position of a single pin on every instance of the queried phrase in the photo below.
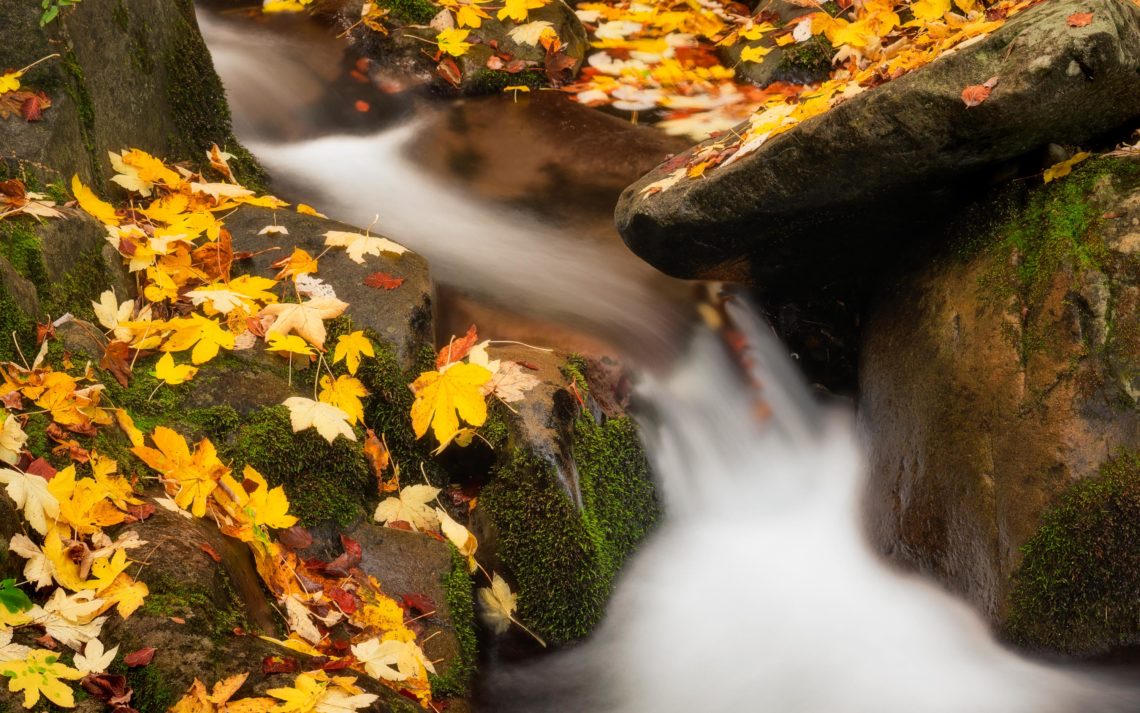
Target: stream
(758, 592)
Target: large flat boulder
(824, 199)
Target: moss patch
(411, 12)
(21, 246)
(13, 321)
(493, 81)
(76, 290)
(1077, 590)
(806, 62)
(324, 481)
(458, 586)
(565, 559)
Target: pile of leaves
(16, 99)
(190, 308)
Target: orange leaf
(1080, 19)
(457, 349)
(975, 94)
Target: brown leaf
(295, 538)
(41, 468)
(457, 349)
(44, 331)
(378, 457)
(109, 688)
(383, 281)
(1080, 19)
(417, 604)
(449, 71)
(205, 547)
(975, 94)
(116, 359)
(26, 104)
(12, 400)
(141, 512)
(559, 68)
(142, 657)
(348, 559)
(215, 258)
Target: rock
(808, 207)
(133, 74)
(802, 63)
(401, 317)
(995, 379)
(486, 67)
(570, 496)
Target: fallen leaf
(141, 657)
(442, 398)
(498, 604)
(410, 506)
(329, 420)
(383, 281)
(977, 93)
(40, 672)
(357, 245)
(1064, 168)
(457, 348)
(1080, 19)
(306, 318)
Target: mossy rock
(569, 500)
(1001, 370)
(1077, 590)
(132, 74)
(806, 62)
(408, 49)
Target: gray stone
(810, 206)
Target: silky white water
(758, 591)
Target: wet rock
(401, 316)
(997, 377)
(132, 74)
(570, 496)
(807, 207)
(494, 61)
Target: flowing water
(758, 591)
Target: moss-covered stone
(805, 62)
(414, 12)
(20, 245)
(493, 81)
(17, 330)
(565, 557)
(1078, 587)
(324, 481)
(458, 586)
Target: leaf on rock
(383, 281)
(498, 604)
(95, 659)
(975, 94)
(357, 245)
(410, 506)
(440, 396)
(392, 660)
(1079, 19)
(31, 495)
(306, 318)
(100, 210)
(329, 420)
(40, 672)
(1064, 168)
(350, 347)
(457, 348)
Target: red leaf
(32, 109)
(336, 664)
(383, 281)
(457, 349)
(417, 603)
(41, 468)
(205, 547)
(347, 560)
(278, 664)
(362, 106)
(141, 512)
(347, 601)
(401, 525)
(1080, 19)
(142, 657)
(109, 688)
(975, 94)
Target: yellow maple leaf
(453, 42)
(350, 347)
(269, 506)
(470, 15)
(171, 373)
(929, 10)
(99, 209)
(754, 54)
(305, 209)
(517, 10)
(83, 502)
(193, 476)
(205, 335)
(440, 395)
(303, 695)
(345, 393)
(125, 594)
(40, 672)
(288, 344)
(10, 82)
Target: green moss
(563, 558)
(77, 289)
(458, 587)
(1077, 590)
(411, 12)
(198, 104)
(151, 692)
(13, 321)
(493, 81)
(212, 616)
(21, 246)
(85, 107)
(324, 481)
(806, 62)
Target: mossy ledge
(564, 559)
(458, 586)
(1077, 590)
